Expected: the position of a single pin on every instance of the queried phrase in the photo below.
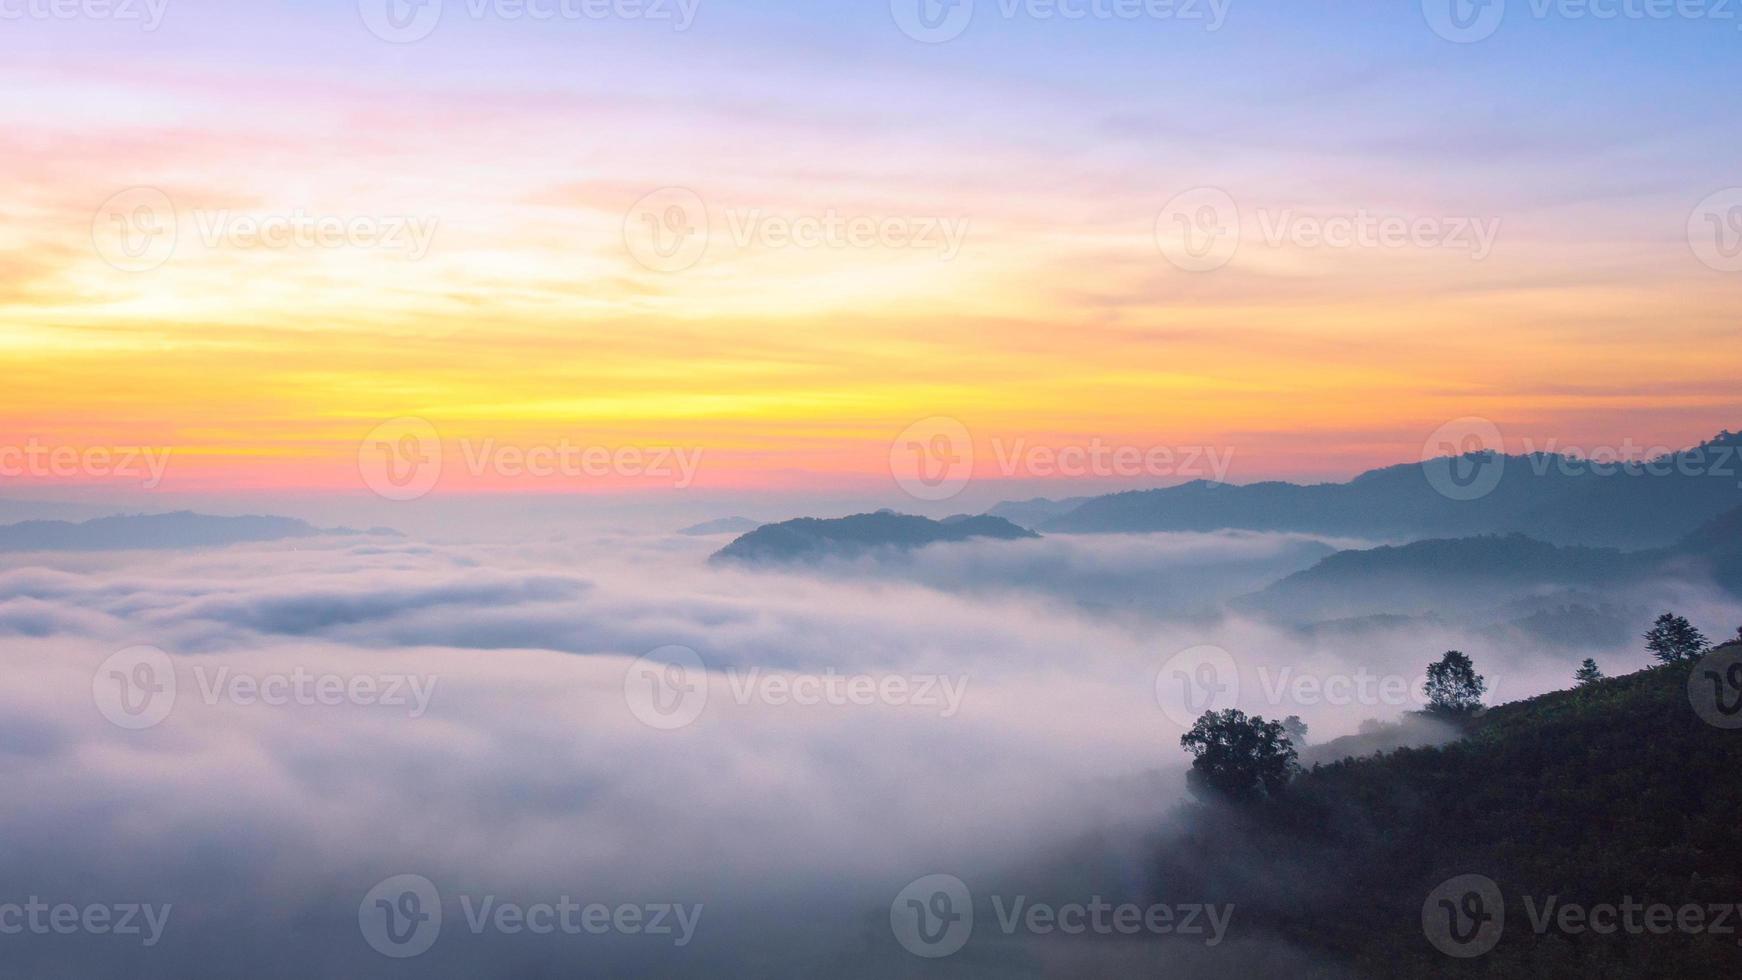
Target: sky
(798, 242)
(464, 267)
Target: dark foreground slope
(1609, 794)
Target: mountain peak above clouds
(1560, 497)
(807, 538)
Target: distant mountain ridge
(721, 525)
(808, 538)
(1434, 573)
(1557, 498)
(1033, 513)
(180, 529)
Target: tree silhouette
(1453, 687)
(1672, 638)
(1296, 729)
(1239, 758)
(1588, 673)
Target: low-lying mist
(481, 715)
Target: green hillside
(1612, 792)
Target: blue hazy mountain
(1555, 498)
(1444, 574)
(1437, 575)
(1716, 549)
(1033, 513)
(723, 525)
(809, 538)
(182, 529)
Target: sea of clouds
(349, 710)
